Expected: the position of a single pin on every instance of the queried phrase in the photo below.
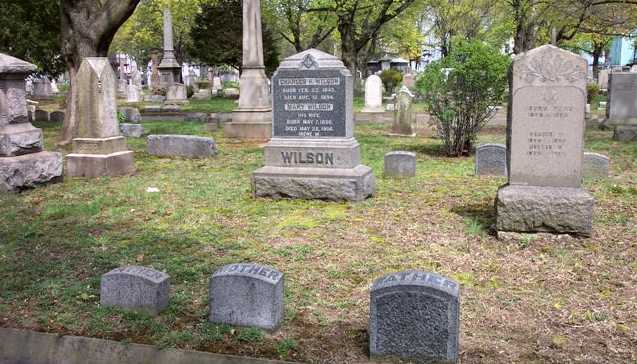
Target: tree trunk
(597, 53)
(88, 28)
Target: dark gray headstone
(491, 160)
(400, 164)
(247, 294)
(622, 103)
(187, 146)
(415, 316)
(57, 117)
(625, 133)
(135, 288)
(41, 115)
(596, 165)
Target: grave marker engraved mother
(415, 316)
(136, 288)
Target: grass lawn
(536, 300)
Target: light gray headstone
(373, 94)
(96, 102)
(187, 146)
(400, 164)
(135, 288)
(491, 160)
(415, 316)
(131, 130)
(247, 294)
(622, 102)
(596, 165)
(132, 114)
(404, 116)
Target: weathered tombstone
(253, 117)
(176, 93)
(313, 153)
(602, 79)
(57, 117)
(621, 112)
(135, 288)
(404, 116)
(625, 133)
(187, 146)
(132, 93)
(131, 114)
(545, 146)
(596, 165)
(247, 295)
(130, 130)
(373, 94)
(414, 316)
(216, 83)
(400, 164)
(98, 148)
(42, 88)
(23, 164)
(491, 160)
(41, 115)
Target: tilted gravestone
(313, 153)
(135, 288)
(400, 164)
(621, 113)
(491, 160)
(545, 136)
(596, 165)
(23, 164)
(246, 294)
(187, 146)
(414, 316)
(98, 149)
(373, 94)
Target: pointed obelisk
(169, 68)
(253, 117)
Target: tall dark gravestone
(545, 138)
(313, 153)
(414, 316)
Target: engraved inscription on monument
(309, 104)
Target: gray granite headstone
(135, 288)
(414, 316)
(57, 117)
(41, 115)
(132, 114)
(247, 294)
(545, 138)
(491, 160)
(622, 103)
(400, 164)
(313, 153)
(187, 146)
(625, 133)
(596, 165)
(131, 130)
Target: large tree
(88, 28)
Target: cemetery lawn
(536, 299)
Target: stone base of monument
(559, 210)
(30, 170)
(250, 124)
(370, 109)
(96, 165)
(22, 138)
(335, 184)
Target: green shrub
(121, 117)
(592, 91)
(462, 90)
(391, 78)
(230, 84)
(189, 91)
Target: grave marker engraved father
(247, 295)
(414, 316)
(313, 153)
(545, 135)
(136, 288)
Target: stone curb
(24, 346)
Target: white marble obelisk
(253, 118)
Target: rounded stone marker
(135, 288)
(491, 160)
(246, 294)
(400, 164)
(415, 316)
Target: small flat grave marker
(247, 294)
(414, 315)
(135, 288)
